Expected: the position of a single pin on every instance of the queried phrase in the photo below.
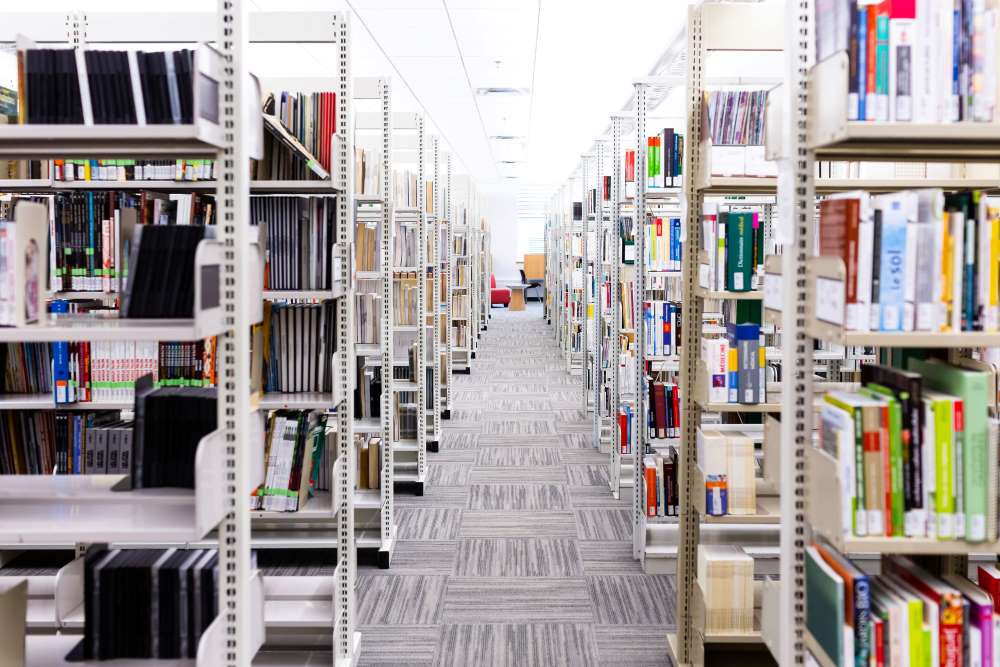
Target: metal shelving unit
(432, 318)
(459, 227)
(375, 524)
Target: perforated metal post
(232, 198)
(449, 286)
(344, 179)
(689, 648)
(598, 292)
(614, 476)
(585, 320)
(421, 378)
(434, 261)
(639, 423)
(386, 485)
(797, 173)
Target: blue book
(77, 423)
(956, 62)
(60, 360)
(665, 329)
(892, 263)
(862, 59)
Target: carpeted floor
(517, 554)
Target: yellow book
(947, 271)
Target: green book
(940, 415)
(895, 453)
(740, 241)
(973, 388)
(825, 606)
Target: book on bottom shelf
(725, 575)
(295, 443)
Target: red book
(870, 47)
(623, 432)
(878, 648)
(629, 166)
(989, 581)
(650, 491)
(883, 435)
(677, 409)
(660, 410)
(840, 220)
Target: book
(825, 605)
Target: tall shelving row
(446, 266)
(462, 278)
(230, 458)
(432, 319)
(375, 520)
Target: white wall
(501, 214)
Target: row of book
(26, 368)
(161, 281)
(660, 483)
(301, 233)
(933, 62)
(733, 241)
(299, 346)
(312, 119)
(460, 334)
(916, 260)
(169, 424)
(368, 391)
(367, 172)
(106, 371)
(661, 322)
(367, 318)
(368, 450)
(405, 295)
(663, 405)
(405, 189)
(406, 419)
(405, 252)
(147, 603)
(627, 298)
(916, 451)
(663, 244)
(45, 442)
(367, 245)
(736, 117)
(294, 443)
(726, 460)
(664, 159)
(51, 87)
(625, 422)
(181, 169)
(736, 365)
(907, 615)
(726, 579)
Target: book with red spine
(951, 607)
(650, 477)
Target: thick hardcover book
(739, 252)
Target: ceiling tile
(434, 77)
(509, 69)
(410, 32)
(495, 32)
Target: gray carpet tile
(400, 600)
(630, 600)
(588, 474)
(516, 645)
(505, 557)
(518, 497)
(413, 523)
(427, 557)
(494, 474)
(518, 456)
(516, 551)
(502, 599)
(608, 557)
(604, 524)
(384, 645)
(632, 645)
(448, 474)
(518, 524)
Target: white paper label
(703, 270)
(772, 291)
(830, 296)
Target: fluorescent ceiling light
(502, 90)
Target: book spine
(882, 63)
(854, 78)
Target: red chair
(499, 296)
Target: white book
(956, 225)
(277, 434)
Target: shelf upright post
(614, 473)
(796, 174)
(690, 649)
(421, 378)
(598, 296)
(385, 338)
(435, 263)
(449, 282)
(345, 641)
(584, 316)
(233, 198)
(638, 424)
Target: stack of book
(404, 189)
(916, 260)
(293, 448)
(914, 62)
(147, 603)
(734, 244)
(369, 458)
(64, 443)
(727, 462)
(663, 417)
(660, 482)
(299, 342)
(663, 244)
(404, 246)
(664, 159)
(906, 615)
(404, 293)
(301, 232)
(725, 575)
(161, 282)
(367, 172)
(662, 331)
(736, 366)
(914, 451)
(366, 246)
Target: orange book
(650, 473)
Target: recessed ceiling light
(506, 137)
(510, 162)
(501, 90)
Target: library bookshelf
(216, 512)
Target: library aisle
(517, 554)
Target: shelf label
(703, 270)
(772, 291)
(830, 300)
